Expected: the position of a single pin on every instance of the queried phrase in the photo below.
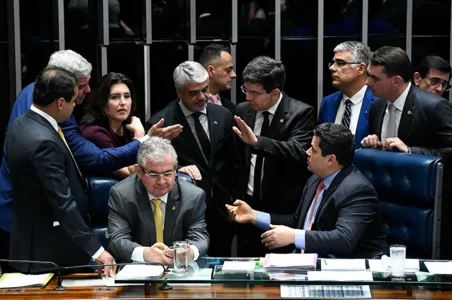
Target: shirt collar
(46, 116)
(272, 110)
(188, 112)
(400, 102)
(356, 98)
(327, 180)
(164, 198)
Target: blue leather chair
(98, 191)
(409, 187)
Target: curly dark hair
(99, 98)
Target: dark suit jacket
(228, 104)
(219, 175)
(347, 223)
(47, 189)
(131, 220)
(330, 105)
(284, 150)
(425, 124)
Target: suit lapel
(407, 115)
(362, 128)
(336, 101)
(280, 117)
(214, 130)
(380, 114)
(146, 210)
(171, 211)
(307, 201)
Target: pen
(326, 264)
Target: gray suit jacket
(131, 220)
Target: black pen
(326, 264)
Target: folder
(15, 280)
(290, 262)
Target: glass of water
(398, 255)
(180, 256)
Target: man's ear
(60, 103)
(179, 94)
(210, 70)
(138, 170)
(417, 78)
(362, 69)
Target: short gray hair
(156, 149)
(189, 72)
(71, 61)
(359, 52)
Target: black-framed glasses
(251, 93)
(341, 63)
(157, 176)
(435, 81)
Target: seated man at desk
(338, 212)
(150, 209)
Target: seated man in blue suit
(350, 105)
(338, 214)
(88, 156)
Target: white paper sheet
(14, 280)
(325, 291)
(343, 265)
(339, 276)
(238, 266)
(139, 271)
(378, 265)
(439, 267)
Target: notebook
(15, 280)
(290, 262)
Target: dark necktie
(259, 159)
(347, 114)
(202, 136)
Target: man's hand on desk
(278, 236)
(241, 212)
(169, 132)
(106, 259)
(156, 253)
(169, 253)
(372, 141)
(395, 144)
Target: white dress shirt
(257, 131)
(399, 104)
(138, 252)
(54, 124)
(357, 103)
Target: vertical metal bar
(436, 239)
(61, 35)
(320, 35)
(234, 82)
(103, 60)
(409, 27)
(191, 52)
(235, 20)
(14, 51)
(104, 28)
(148, 22)
(147, 82)
(192, 21)
(278, 29)
(365, 20)
(450, 46)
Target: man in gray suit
(150, 209)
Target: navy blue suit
(88, 156)
(330, 105)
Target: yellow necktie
(158, 220)
(60, 133)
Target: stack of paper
(384, 265)
(14, 280)
(290, 262)
(138, 271)
(239, 266)
(439, 267)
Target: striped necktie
(347, 114)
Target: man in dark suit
(432, 75)
(50, 202)
(150, 209)
(218, 62)
(350, 105)
(205, 147)
(276, 131)
(338, 212)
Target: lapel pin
(409, 112)
(173, 208)
(215, 122)
(281, 121)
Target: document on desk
(439, 267)
(239, 266)
(343, 265)
(133, 271)
(340, 276)
(94, 282)
(382, 265)
(15, 280)
(326, 291)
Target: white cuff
(195, 252)
(98, 253)
(138, 254)
(143, 138)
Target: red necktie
(314, 204)
(214, 99)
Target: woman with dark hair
(109, 110)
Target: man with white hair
(206, 148)
(88, 156)
(350, 105)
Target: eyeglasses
(341, 63)
(251, 93)
(157, 176)
(435, 81)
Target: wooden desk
(214, 291)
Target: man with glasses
(350, 105)
(150, 209)
(433, 75)
(206, 148)
(276, 132)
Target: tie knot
(265, 113)
(214, 98)
(348, 102)
(157, 202)
(320, 186)
(197, 114)
(392, 108)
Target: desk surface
(214, 291)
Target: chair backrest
(409, 187)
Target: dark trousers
(221, 233)
(4, 250)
